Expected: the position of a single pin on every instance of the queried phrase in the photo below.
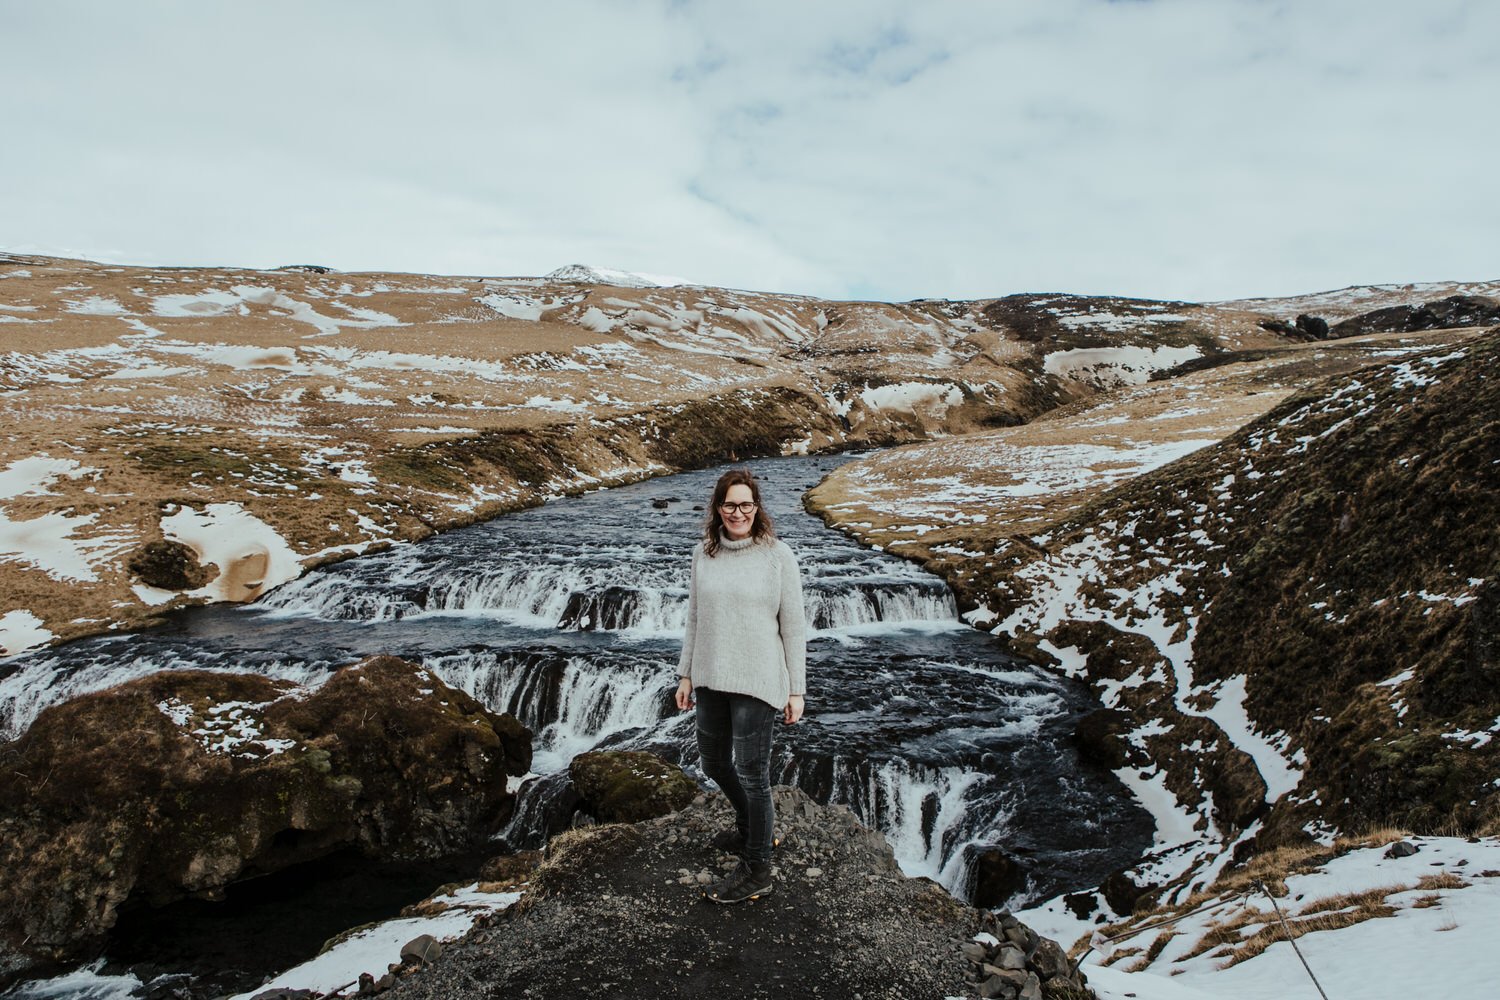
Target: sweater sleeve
(793, 621)
(685, 661)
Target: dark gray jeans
(734, 742)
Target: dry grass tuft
(1351, 900)
(1227, 933)
(1118, 954)
(1442, 880)
(1271, 933)
(1248, 931)
(1154, 951)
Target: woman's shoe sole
(727, 902)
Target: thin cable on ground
(1257, 886)
(1290, 940)
(1158, 923)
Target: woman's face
(737, 523)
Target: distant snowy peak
(584, 274)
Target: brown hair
(760, 528)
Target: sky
(1179, 149)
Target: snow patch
(935, 397)
(589, 275)
(1117, 365)
(251, 555)
(21, 630)
(375, 948)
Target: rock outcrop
(183, 782)
(617, 910)
(1453, 311)
(626, 786)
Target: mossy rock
(627, 786)
(170, 565)
(212, 778)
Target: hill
(182, 435)
(1293, 630)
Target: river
(570, 616)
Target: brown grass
(1350, 900)
(1230, 937)
(1154, 951)
(1442, 880)
(1271, 933)
(1118, 954)
(1227, 933)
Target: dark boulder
(170, 565)
(180, 783)
(1315, 327)
(1305, 328)
(1097, 737)
(1120, 891)
(997, 876)
(609, 609)
(627, 786)
(1280, 326)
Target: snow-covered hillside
(179, 435)
(187, 434)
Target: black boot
(749, 880)
(732, 841)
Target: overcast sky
(1198, 149)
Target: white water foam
(922, 812)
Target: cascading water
(570, 617)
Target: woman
(745, 654)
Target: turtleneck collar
(735, 545)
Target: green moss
(427, 470)
(629, 786)
(178, 457)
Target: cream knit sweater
(746, 629)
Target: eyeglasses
(743, 508)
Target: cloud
(1179, 149)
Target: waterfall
(572, 703)
(863, 602)
(928, 814)
(570, 617)
(52, 678)
(340, 597)
(588, 598)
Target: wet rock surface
(617, 910)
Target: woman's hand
(684, 693)
(793, 710)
